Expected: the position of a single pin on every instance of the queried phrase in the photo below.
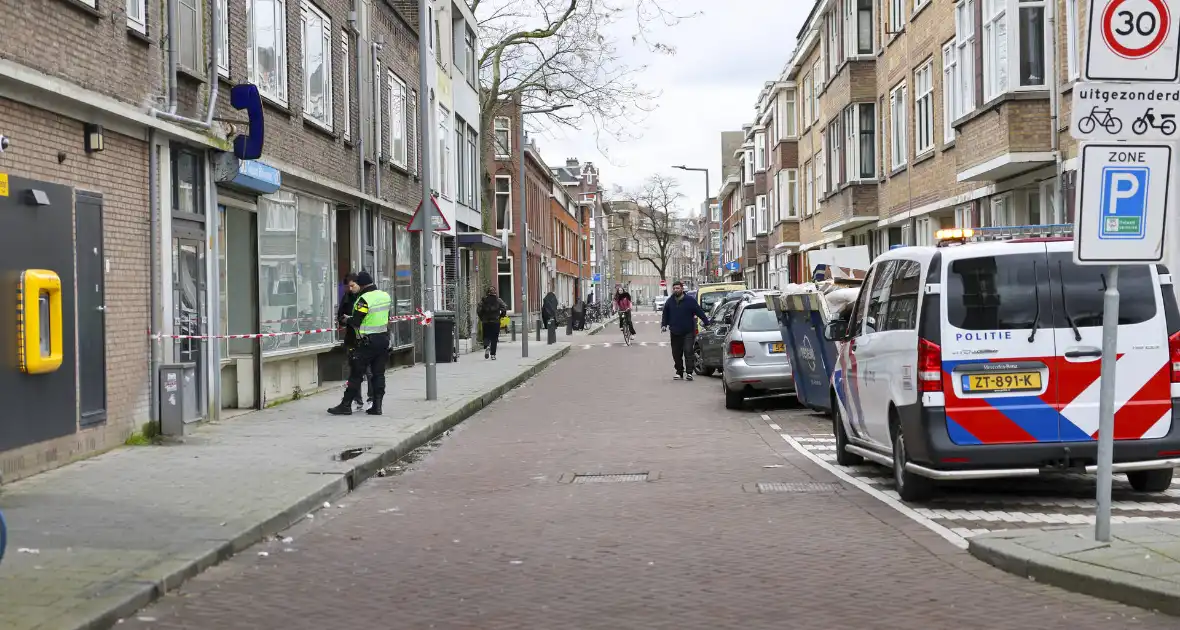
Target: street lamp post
(708, 217)
(428, 350)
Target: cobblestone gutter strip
(1006, 552)
(130, 593)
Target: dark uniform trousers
(369, 357)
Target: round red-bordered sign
(1111, 38)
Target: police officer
(370, 319)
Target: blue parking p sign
(1124, 202)
(1124, 191)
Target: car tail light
(929, 366)
(737, 349)
(1174, 352)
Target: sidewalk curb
(151, 582)
(1073, 575)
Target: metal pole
(524, 245)
(708, 226)
(424, 57)
(1110, 337)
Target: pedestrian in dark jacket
(549, 308)
(491, 308)
(343, 313)
(680, 314)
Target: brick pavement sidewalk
(94, 541)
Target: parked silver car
(755, 359)
(709, 351)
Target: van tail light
(737, 349)
(930, 366)
(1174, 353)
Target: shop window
(297, 271)
(188, 182)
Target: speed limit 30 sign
(1133, 40)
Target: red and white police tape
(426, 316)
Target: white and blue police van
(979, 358)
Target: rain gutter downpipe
(1055, 117)
(154, 267)
(172, 55)
(376, 47)
(214, 80)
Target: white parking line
(775, 427)
(950, 536)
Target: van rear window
(995, 292)
(1084, 286)
(709, 300)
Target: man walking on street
(680, 314)
(370, 319)
(491, 308)
(343, 314)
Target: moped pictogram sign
(1133, 40)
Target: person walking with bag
(680, 314)
(491, 308)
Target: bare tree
(652, 226)
(556, 58)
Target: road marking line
(775, 427)
(586, 347)
(905, 510)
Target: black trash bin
(445, 348)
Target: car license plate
(995, 383)
(777, 347)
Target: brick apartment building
(894, 119)
(113, 146)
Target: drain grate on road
(608, 478)
(797, 487)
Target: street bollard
(552, 337)
(513, 330)
(569, 325)
(538, 330)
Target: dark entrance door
(188, 305)
(92, 359)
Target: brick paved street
(486, 531)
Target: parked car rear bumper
(737, 374)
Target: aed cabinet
(38, 321)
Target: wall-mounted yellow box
(39, 322)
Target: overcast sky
(724, 55)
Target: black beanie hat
(364, 279)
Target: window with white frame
(897, 127)
(472, 71)
(1051, 213)
(506, 281)
(460, 161)
(503, 203)
(1071, 38)
(473, 160)
(1001, 212)
(414, 133)
(397, 121)
(791, 193)
(788, 125)
(222, 36)
(1030, 31)
(964, 77)
(266, 47)
(835, 148)
(760, 151)
(835, 51)
(963, 217)
(137, 15)
(763, 220)
(444, 152)
(860, 142)
(806, 105)
(817, 78)
(923, 232)
(918, 4)
(346, 85)
(772, 203)
(503, 130)
(896, 16)
(806, 200)
(924, 108)
(751, 223)
(995, 48)
(950, 96)
(317, 65)
(189, 35)
(748, 164)
(821, 188)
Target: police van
(979, 358)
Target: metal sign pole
(524, 245)
(1106, 392)
(424, 57)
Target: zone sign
(1133, 40)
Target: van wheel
(911, 487)
(733, 400)
(843, 457)
(1150, 480)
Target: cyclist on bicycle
(623, 304)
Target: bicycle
(626, 328)
(1100, 117)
